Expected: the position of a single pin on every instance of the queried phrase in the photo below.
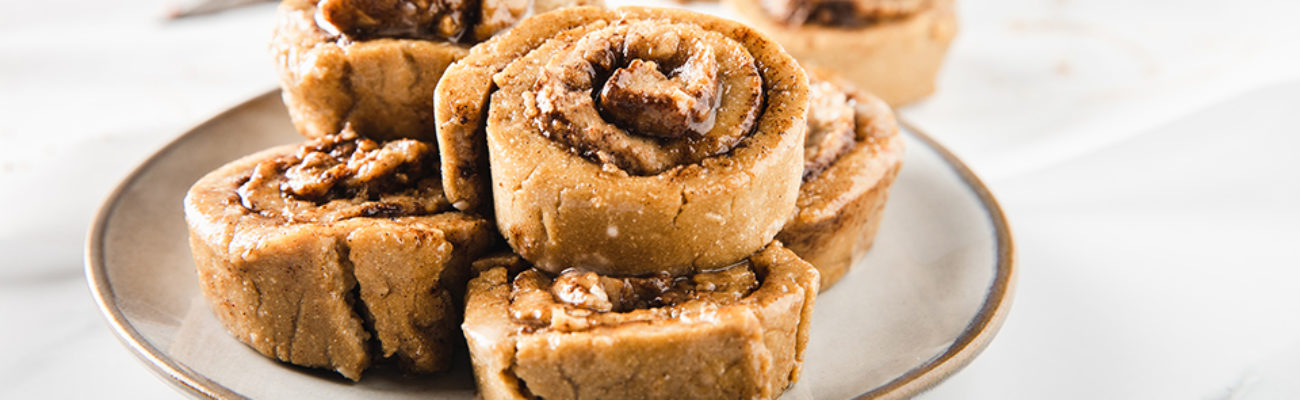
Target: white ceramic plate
(923, 303)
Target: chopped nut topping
(644, 96)
(453, 20)
(342, 176)
(577, 300)
(345, 166)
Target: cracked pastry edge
(229, 241)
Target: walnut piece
(646, 97)
(342, 176)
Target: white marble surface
(1147, 153)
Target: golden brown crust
(316, 327)
(840, 208)
(896, 58)
(751, 347)
(285, 285)
(558, 208)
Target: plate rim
(986, 324)
(974, 338)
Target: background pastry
(372, 65)
(892, 48)
(629, 141)
(739, 332)
(852, 154)
(282, 238)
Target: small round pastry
(372, 65)
(851, 156)
(738, 332)
(627, 142)
(892, 48)
(282, 238)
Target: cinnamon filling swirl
(646, 96)
(831, 132)
(627, 142)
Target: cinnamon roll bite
(892, 48)
(372, 65)
(627, 142)
(336, 252)
(737, 332)
(851, 156)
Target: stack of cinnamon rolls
(603, 203)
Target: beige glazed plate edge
(981, 330)
(973, 339)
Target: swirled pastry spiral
(851, 156)
(627, 142)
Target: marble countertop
(1145, 152)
